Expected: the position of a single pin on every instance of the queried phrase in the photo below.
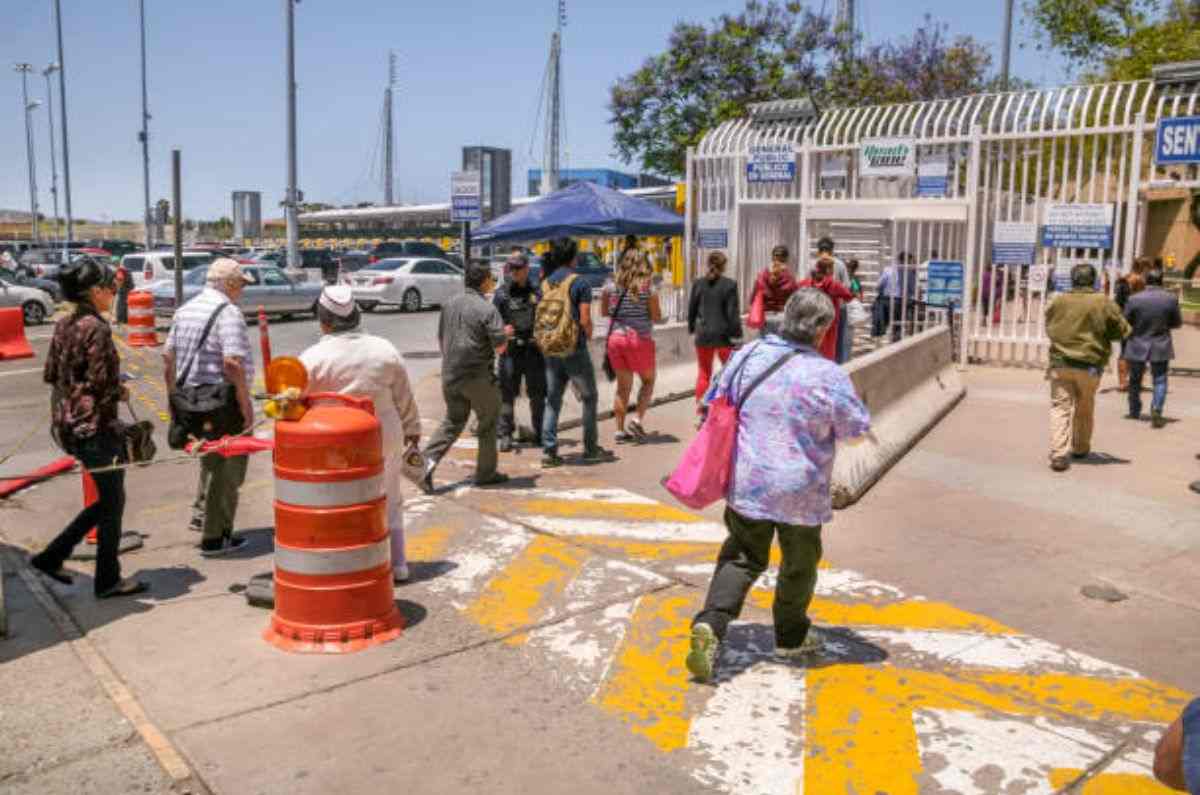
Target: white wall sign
(834, 172)
(887, 157)
(1078, 226)
(713, 230)
(1014, 242)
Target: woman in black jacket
(84, 372)
(715, 319)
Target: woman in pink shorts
(633, 309)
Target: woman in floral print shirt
(83, 370)
(787, 436)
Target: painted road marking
(908, 695)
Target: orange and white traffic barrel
(333, 567)
(141, 320)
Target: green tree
(1117, 39)
(770, 51)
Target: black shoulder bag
(206, 411)
(609, 372)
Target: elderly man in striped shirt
(223, 358)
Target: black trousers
(521, 363)
(744, 557)
(105, 514)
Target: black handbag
(205, 411)
(609, 372)
(138, 440)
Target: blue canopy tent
(581, 210)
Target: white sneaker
(400, 573)
(813, 643)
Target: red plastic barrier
(91, 495)
(234, 446)
(10, 487)
(13, 344)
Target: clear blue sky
(470, 73)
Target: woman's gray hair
(336, 323)
(806, 316)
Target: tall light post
(292, 201)
(66, 146)
(144, 137)
(24, 69)
(1006, 46)
(49, 70)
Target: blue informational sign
(771, 163)
(1013, 253)
(932, 186)
(1014, 242)
(1178, 140)
(1078, 226)
(944, 283)
(712, 238)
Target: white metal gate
(1007, 158)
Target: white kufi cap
(338, 299)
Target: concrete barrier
(908, 387)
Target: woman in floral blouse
(84, 372)
(787, 435)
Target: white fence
(997, 163)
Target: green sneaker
(703, 657)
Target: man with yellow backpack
(562, 328)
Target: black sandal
(59, 576)
(124, 588)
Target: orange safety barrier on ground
(13, 344)
(141, 320)
(333, 566)
(10, 486)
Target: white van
(148, 267)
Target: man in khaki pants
(1082, 326)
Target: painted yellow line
(519, 595)
(648, 684)
(903, 615)
(603, 509)
(1088, 697)
(1109, 783)
(859, 733)
(429, 544)
(652, 550)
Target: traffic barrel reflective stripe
(333, 568)
(142, 333)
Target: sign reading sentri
(1178, 140)
(1078, 226)
(771, 163)
(887, 157)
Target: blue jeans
(1158, 373)
(574, 369)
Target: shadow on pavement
(413, 613)
(259, 541)
(425, 570)
(749, 644)
(1101, 459)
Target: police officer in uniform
(517, 301)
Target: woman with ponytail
(715, 320)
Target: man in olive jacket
(1082, 326)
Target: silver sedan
(271, 289)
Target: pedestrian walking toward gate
(1153, 314)
(794, 405)
(822, 279)
(776, 283)
(1082, 325)
(1126, 286)
(84, 374)
(632, 307)
(715, 320)
(207, 354)
(841, 274)
(517, 301)
(470, 334)
(562, 328)
(349, 361)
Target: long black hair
(77, 279)
(562, 253)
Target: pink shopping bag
(702, 476)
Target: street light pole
(1006, 48)
(293, 195)
(62, 107)
(24, 69)
(144, 136)
(49, 70)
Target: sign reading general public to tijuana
(887, 157)
(1178, 141)
(1078, 226)
(771, 163)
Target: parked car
(118, 248)
(320, 264)
(351, 261)
(409, 283)
(391, 249)
(21, 280)
(35, 304)
(271, 289)
(153, 266)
